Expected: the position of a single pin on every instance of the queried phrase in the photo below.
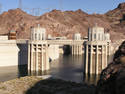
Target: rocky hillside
(112, 79)
(65, 23)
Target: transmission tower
(20, 4)
(38, 11)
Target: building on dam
(97, 50)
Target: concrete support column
(47, 58)
(31, 36)
(42, 57)
(29, 62)
(96, 38)
(75, 46)
(32, 58)
(40, 36)
(89, 35)
(72, 49)
(86, 63)
(77, 50)
(109, 49)
(103, 62)
(37, 38)
(92, 36)
(80, 49)
(91, 55)
(106, 57)
(34, 36)
(97, 63)
(44, 36)
(37, 65)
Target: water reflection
(71, 68)
(22, 71)
(91, 79)
(8, 73)
(67, 67)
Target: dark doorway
(67, 49)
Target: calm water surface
(67, 67)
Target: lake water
(67, 67)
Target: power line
(20, 4)
(32, 11)
(35, 11)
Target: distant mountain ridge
(58, 23)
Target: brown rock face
(16, 20)
(112, 78)
(121, 5)
(58, 23)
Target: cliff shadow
(57, 86)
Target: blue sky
(89, 6)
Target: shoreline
(28, 84)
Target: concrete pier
(97, 50)
(77, 49)
(38, 60)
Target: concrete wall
(3, 37)
(8, 53)
(53, 52)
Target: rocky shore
(36, 85)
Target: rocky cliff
(65, 23)
(112, 78)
